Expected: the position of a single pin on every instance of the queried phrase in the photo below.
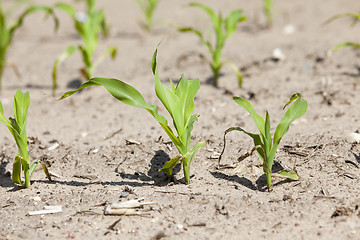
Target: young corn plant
(88, 25)
(148, 8)
(8, 29)
(178, 101)
(223, 28)
(266, 145)
(268, 11)
(17, 127)
(355, 19)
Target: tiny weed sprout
(355, 19)
(268, 6)
(17, 127)
(7, 29)
(265, 145)
(223, 28)
(178, 101)
(148, 8)
(88, 25)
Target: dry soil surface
(107, 152)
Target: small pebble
(124, 194)
(353, 138)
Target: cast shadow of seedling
(261, 184)
(74, 84)
(357, 157)
(211, 80)
(5, 176)
(234, 178)
(159, 178)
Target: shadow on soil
(261, 184)
(159, 178)
(5, 176)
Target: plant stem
(268, 180)
(27, 179)
(186, 167)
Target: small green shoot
(265, 145)
(178, 101)
(268, 11)
(355, 19)
(223, 28)
(7, 29)
(148, 8)
(17, 127)
(88, 25)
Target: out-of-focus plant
(178, 101)
(355, 19)
(265, 145)
(89, 25)
(223, 28)
(17, 127)
(148, 8)
(8, 28)
(268, 11)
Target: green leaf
(287, 174)
(130, 96)
(236, 71)
(20, 105)
(68, 52)
(256, 139)
(169, 165)
(297, 109)
(66, 8)
(191, 154)
(29, 10)
(16, 170)
(232, 20)
(267, 136)
(259, 121)
(345, 44)
(4, 120)
(214, 18)
(46, 171)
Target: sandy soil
(109, 152)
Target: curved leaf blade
(259, 121)
(296, 110)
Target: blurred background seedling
(264, 144)
(17, 128)
(88, 25)
(355, 17)
(223, 29)
(8, 27)
(268, 11)
(147, 8)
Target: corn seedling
(88, 25)
(7, 29)
(223, 28)
(265, 145)
(148, 8)
(355, 19)
(268, 6)
(17, 127)
(178, 101)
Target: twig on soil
(112, 134)
(112, 226)
(47, 210)
(128, 208)
(181, 193)
(131, 142)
